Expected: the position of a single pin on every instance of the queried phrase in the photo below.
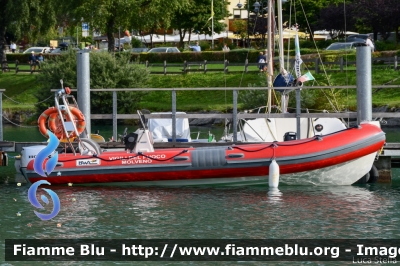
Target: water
(295, 212)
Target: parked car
(59, 50)
(37, 50)
(164, 50)
(139, 50)
(344, 45)
(357, 38)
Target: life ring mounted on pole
(53, 120)
(55, 125)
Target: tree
(239, 27)
(107, 17)
(379, 15)
(337, 19)
(307, 13)
(197, 17)
(155, 15)
(106, 71)
(112, 15)
(28, 18)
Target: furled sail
(298, 60)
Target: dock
(389, 156)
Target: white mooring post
(83, 87)
(173, 116)
(364, 84)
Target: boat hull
(337, 159)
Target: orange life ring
(43, 118)
(54, 122)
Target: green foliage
(234, 56)
(196, 100)
(240, 27)
(106, 71)
(195, 17)
(136, 43)
(20, 89)
(253, 99)
(22, 86)
(385, 46)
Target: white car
(61, 50)
(37, 50)
(164, 50)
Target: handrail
(234, 116)
(232, 88)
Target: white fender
(273, 180)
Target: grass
(21, 87)
(380, 97)
(197, 100)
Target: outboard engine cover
(130, 141)
(29, 153)
(289, 136)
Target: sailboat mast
(212, 24)
(270, 55)
(280, 30)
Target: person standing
(196, 48)
(39, 59)
(32, 60)
(261, 61)
(225, 48)
(13, 47)
(266, 57)
(369, 43)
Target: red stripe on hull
(291, 156)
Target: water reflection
(274, 194)
(302, 212)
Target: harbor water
(369, 211)
(295, 212)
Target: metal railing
(234, 115)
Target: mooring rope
(15, 124)
(26, 103)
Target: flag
(212, 11)
(306, 77)
(298, 60)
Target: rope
(275, 144)
(19, 125)
(25, 103)
(323, 66)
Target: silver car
(164, 50)
(37, 50)
(344, 45)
